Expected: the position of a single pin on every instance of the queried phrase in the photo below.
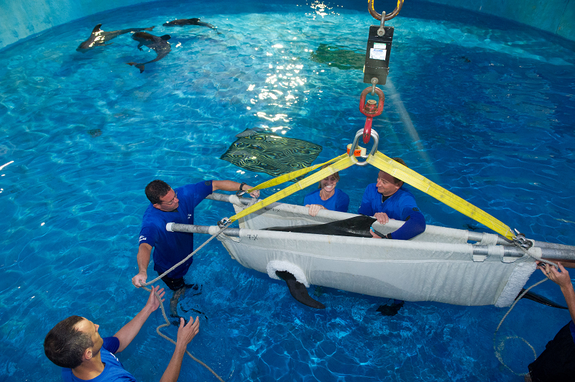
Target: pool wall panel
(554, 16)
(25, 18)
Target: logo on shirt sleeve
(142, 238)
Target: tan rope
(174, 342)
(143, 286)
(499, 348)
(187, 257)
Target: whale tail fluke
(139, 66)
(299, 291)
(391, 310)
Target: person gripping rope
(557, 362)
(173, 205)
(76, 345)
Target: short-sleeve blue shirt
(172, 247)
(339, 201)
(113, 368)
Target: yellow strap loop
(344, 162)
(395, 169)
(292, 175)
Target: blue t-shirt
(339, 201)
(172, 247)
(399, 206)
(113, 369)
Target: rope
(187, 257)
(143, 286)
(171, 340)
(499, 349)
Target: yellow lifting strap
(395, 169)
(292, 175)
(344, 161)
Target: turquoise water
(481, 106)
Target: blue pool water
(480, 105)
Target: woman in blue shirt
(327, 197)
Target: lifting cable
(388, 165)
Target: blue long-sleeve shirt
(399, 206)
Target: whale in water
(184, 22)
(159, 44)
(98, 37)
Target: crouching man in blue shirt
(75, 345)
(387, 199)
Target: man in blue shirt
(75, 345)
(387, 199)
(177, 206)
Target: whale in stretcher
(358, 226)
(336, 250)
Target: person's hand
(373, 234)
(559, 276)
(254, 194)
(314, 208)
(188, 332)
(381, 217)
(139, 278)
(153, 302)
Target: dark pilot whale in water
(184, 22)
(358, 226)
(159, 44)
(98, 37)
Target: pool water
(480, 105)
